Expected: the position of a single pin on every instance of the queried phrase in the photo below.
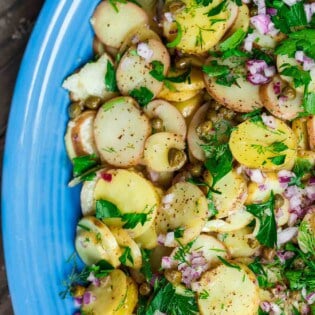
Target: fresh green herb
(204, 2)
(133, 52)
(105, 209)
(167, 300)
(143, 95)
(309, 103)
(300, 77)
(110, 78)
(180, 78)
(238, 2)
(157, 71)
(204, 294)
(235, 52)
(214, 69)
(126, 256)
(109, 150)
(277, 160)
(261, 312)
(257, 268)
(217, 9)
(82, 226)
(306, 238)
(179, 232)
(146, 264)
(233, 41)
(86, 176)
(82, 164)
(133, 219)
(261, 55)
(275, 147)
(178, 37)
(295, 311)
(301, 168)
(226, 263)
(253, 114)
(267, 234)
(113, 3)
(182, 251)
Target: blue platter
(39, 211)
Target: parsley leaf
(214, 69)
(157, 70)
(301, 167)
(277, 160)
(82, 164)
(133, 219)
(233, 41)
(126, 256)
(309, 103)
(178, 37)
(267, 234)
(306, 238)
(300, 77)
(105, 209)
(204, 2)
(113, 3)
(146, 265)
(226, 263)
(110, 78)
(217, 9)
(143, 95)
(257, 268)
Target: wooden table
(17, 18)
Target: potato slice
(79, 137)
(94, 242)
(106, 298)
(125, 241)
(157, 151)
(233, 188)
(197, 33)
(133, 71)
(105, 19)
(194, 142)
(241, 97)
(241, 21)
(89, 80)
(229, 291)
(127, 306)
(239, 244)
(187, 209)
(173, 121)
(233, 222)
(310, 124)
(282, 108)
(120, 130)
(148, 239)
(255, 145)
(210, 247)
(174, 96)
(131, 193)
(299, 128)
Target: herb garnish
(143, 95)
(113, 3)
(233, 41)
(110, 78)
(226, 263)
(178, 37)
(277, 160)
(126, 256)
(301, 168)
(267, 234)
(146, 265)
(82, 164)
(217, 9)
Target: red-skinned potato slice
(79, 137)
(105, 20)
(120, 131)
(310, 124)
(133, 71)
(173, 121)
(280, 107)
(194, 141)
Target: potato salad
(192, 133)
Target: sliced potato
(108, 296)
(281, 107)
(79, 137)
(125, 241)
(131, 193)
(158, 152)
(194, 142)
(94, 242)
(241, 21)
(299, 128)
(310, 125)
(127, 306)
(241, 97)
(195, 32)
(133, 71)
(239, 244)
(233, 188)
(210, 247)
(175, 96)
(233, 222)
(187, 209)
(148, 239)
(229, 291)
(105, 19)
(120, 130)
(252, 144)
(172, 119)
(89, 80)
(161, 179)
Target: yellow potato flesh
(250, 143)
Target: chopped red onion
(265, 306)
(169, 17)
(106, 176)
(256, 176)
(285, 255)
(290, 2)
(257, 79)
(284, 177)
(272, 11)
(168, 262)
(262, 187)
(161, 239)
(308, 63)
(269, 121)
(286, 235)
(88, 298)
(144, 51)
(261, 22)
(256, 66)
(310, 192)
(270, 71)
(305, 310)
(78, 301)
(282, 99)
(154, 176)
(312, 181)
(261, 6)
(299, 56)
(309, 9)
(248, 42)
(93, 279)
(292, 219)
(168, 198)
(170, 239)
(275, 308)
(277, 87)
(310, 298)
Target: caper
(195, 169)
(289, 92)
(173, 276)
(157, 124)
(253, 11)
(188, 61)
(175, 157)
(204, 129)
(144, 289)
(77, 291)
(92, 102)
(75, 109)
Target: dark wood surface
(17, 18)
